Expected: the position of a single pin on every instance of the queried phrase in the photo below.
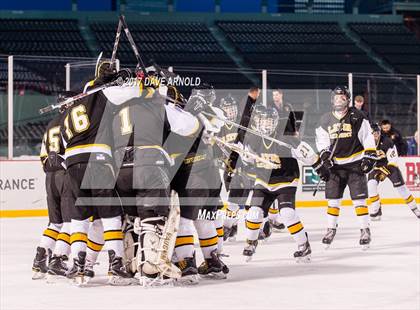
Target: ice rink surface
(387, 276)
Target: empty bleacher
(41, 37)
(174, 44)
(392, 41)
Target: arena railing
(28, 83)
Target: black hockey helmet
(206, 91)
(340, 98)
(229, 106)
(265, 119)
(375, 127)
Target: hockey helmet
(376, 131)
(265, 119)
(340, 98)
(229, 106)
(206, 91)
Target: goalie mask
(265, 120)
(340, 98)
(230, 108)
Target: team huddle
(139, 168)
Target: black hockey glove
(380, 173)
(325, 156)
(368, 161)
(322, 169)
(195, 105)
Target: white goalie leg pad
(157, 243)
(130, 242)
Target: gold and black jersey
(86, 130)
(141, 124)
(228, 133)
(189, 153)
(52, 149)
(353, 132)
(286, 175)
(386, 151)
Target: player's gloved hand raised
(195, 104)
(322, 169)
(381, 173)
(368, 161)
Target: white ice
(387, 276)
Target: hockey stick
(140, 62)
(236, 148)
(69, 101)
(340, 129)
(117, 40)
(250, 130)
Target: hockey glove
(195, 105)
(381, 173)
(322, 169)
(325, 156)
(368, 161)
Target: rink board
(22, 187)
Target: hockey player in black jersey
(239, 177)
(387, 167)
(197, 182)
(142, 123)
(86, 130)
(346, 145)
(54, 247)
(278, 180)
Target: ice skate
(303, 254)
(117, 274)
(89, 272)
(39, 267)
(189, 271)
(265, 232)
(365, 238)
(329, 237)
(77, 272)
(250, 249)
(416, 212)
(276, 225)
(377, 215)
(213, 268)
(57, 268)
(230, 233)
